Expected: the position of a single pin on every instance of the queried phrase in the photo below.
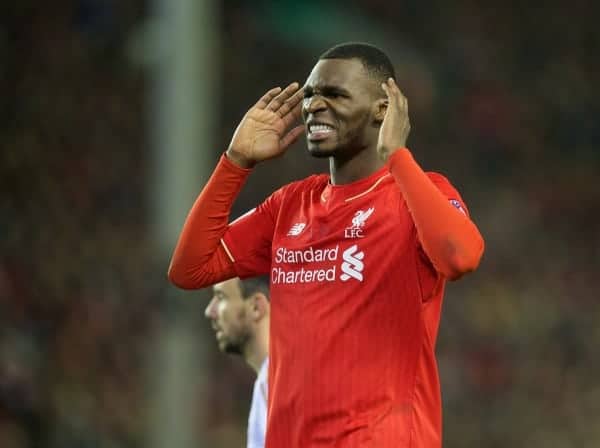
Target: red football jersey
(355, 306)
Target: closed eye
(220, 296)
(326, 91)
(333, 92)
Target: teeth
(320, 128)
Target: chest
(344, 262)
(371, 220)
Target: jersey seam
(415, 385)
(422, 306)
(368, 190)
(417, 270)
(227, 251)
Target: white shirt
(257, 420)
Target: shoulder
(449, 191)
(442, 182)
(437, 178)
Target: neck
(359, 166)
(258, 347)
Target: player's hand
(266, 130)
(396, 124)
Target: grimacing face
(338, 108)
(229, 316)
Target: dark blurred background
(97, 350)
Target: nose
(209, 312)
(313, 104)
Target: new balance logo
(352, 266)
(296, 229)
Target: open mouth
(319, 131)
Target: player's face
(338, 108)
(229, 317)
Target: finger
(291, 103)
(385, 88)
(395, 86)
(392, 93)
(401, 98)
(267, 97)
(391, 102)
(292, 136)
(396, 98)
(278, 101)
(292, 116)
(403, 102)
(392, 89)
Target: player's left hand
(396, 124)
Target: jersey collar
(356, 189)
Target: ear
(379, 109)
(259, 306)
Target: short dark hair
(375, 61)
(253, 285)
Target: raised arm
(200, 259)
(449, 238)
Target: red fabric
(199, 259)
(450, 239)
(357, 280)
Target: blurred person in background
(239, 314)
(358, 259)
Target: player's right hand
(265, 132)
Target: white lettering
(279, 254)
(333, 253)
(352, 232)
(281, 276)
(352, 264)
(309, 276)
(310, 255)
(320, 275)
(330, 274)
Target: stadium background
(100, 100)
